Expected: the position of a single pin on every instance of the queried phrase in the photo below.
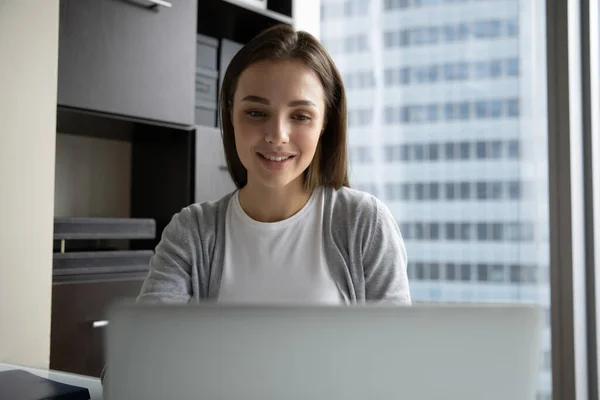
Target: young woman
(293, 231)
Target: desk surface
(92, 384)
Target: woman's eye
(302, 117)
(255, 114)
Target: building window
(434, 271)
(450, 231)
(481, 190)
(514, 190)
(514, 149)
(512, 27)
(433, 152)
(465, 231)
(495, 190)
(434, 231)
(420, 271)
(450, 194)
(420, 191)
(513, 108)
(450, 272)
(465, 190)
(419, 152)
(434, 191)
(496, 273)
(450, 150)
(482, 272)
(481, 150)
(482, 234)
(512, 67)
(465, 272)
(465, 150)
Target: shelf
(266, 12)
(100, 262)
(236, 20)
(104, 228)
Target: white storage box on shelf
(206, 113)
(207, 49)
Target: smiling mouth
(276, 158)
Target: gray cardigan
(363, 245)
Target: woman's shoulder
(202, 215)
(352, 202)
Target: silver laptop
(336, 353)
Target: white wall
(28, 70)
(307, 16)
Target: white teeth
(278, 158)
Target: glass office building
(447, 125)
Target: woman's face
(278, 116)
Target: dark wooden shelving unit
(239, 21)
(109, 89)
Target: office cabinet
(79, 320)
(133, 58)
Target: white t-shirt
(277, 262)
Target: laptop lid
(293, 352)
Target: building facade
(447, 125)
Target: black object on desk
(22, 385)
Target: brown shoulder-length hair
(329, 166)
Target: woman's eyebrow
(293, 103)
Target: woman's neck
(273, 204)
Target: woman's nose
(277, 132)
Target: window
(464, 110)
(461, 135)
(482, 233)
(495, 190)
(481, 109)
(482, 272)
(420, 271)
(465, 272)
(481, 149)
(496, 273)
(513, 108)
(420, 191)
(482, 193)
(512, 27)
(433, 152)
(450, 272)
(465, 150)
(434, 191)
(495, 68)
(497, 231)
(434, 271)
(514, 190)
(465, 190)
(512, 67)
(495, 108)
(496, 149)
(432, 112)
(404, 76)
(419, 152)
(450, 194)
(434, 231)
(406, 229)
(450, 231)
(513, 149)
(449, 149)
(465, 231)
(405, 152)
(449, 111)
